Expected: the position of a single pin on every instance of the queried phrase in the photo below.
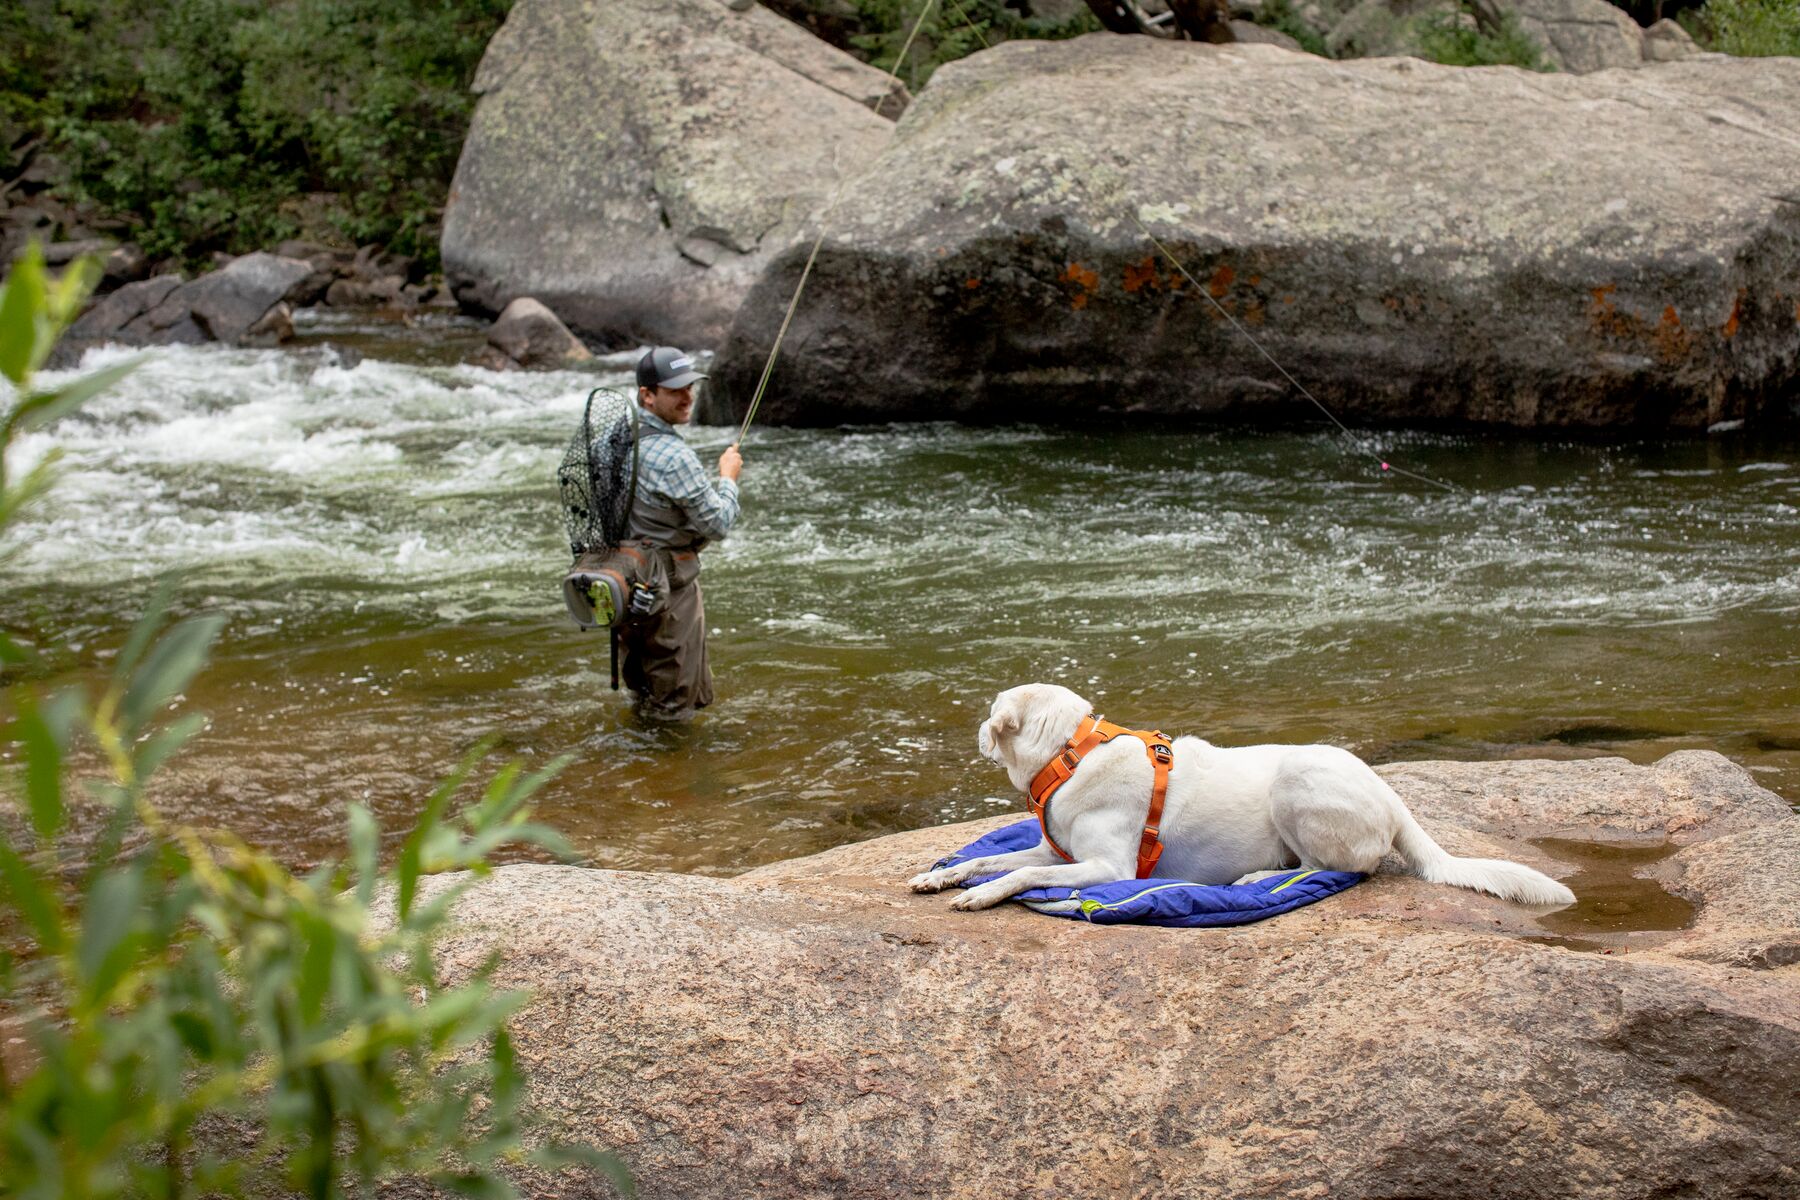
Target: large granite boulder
(634, 164)
(1411, 242)
(241, 303)
(1576, 35)
(813, 1029)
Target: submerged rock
(813, 1029)
(635, 163)
(1411, 242)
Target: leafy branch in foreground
(199, 1020)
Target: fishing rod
(1385, 465)
(762, 384)
(1362, 444)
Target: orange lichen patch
(1139, 276)
(1287, 299)
(1255, 279)
(1221, 281)
(1254, 312)
(1085, 281)
(1671, 339)
(971, 284)
(1605, 318)
(1730, 327)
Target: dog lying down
(1230, 815)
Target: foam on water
(384, 537)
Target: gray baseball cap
(667, 367)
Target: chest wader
(615, 577)
(665, 660)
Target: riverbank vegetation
(194, 126)
(181, 1015)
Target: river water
(383, 536)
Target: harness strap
(1092, 732)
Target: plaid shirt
(669, 472)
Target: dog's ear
(1005, 721)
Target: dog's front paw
(930, 881)
(985, 896)
(1256, 877)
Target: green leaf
(108, 917)
(155, 752)
(195, 1033)
(33, 899)
(365, 851)
(143, 633)
(25, 332)
(42, 408)
(315, 967)
(64, 296)
(412, 851)
(168, 669)
(43, 769)
(11, 653)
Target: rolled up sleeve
(711, 508)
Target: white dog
(1231, 815)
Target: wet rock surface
(635, 163)
(810, 1028)
(1413, 243)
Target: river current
(382, 534)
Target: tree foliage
(198, 1019)
(1754, 28)
(231, 124)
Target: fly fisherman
(678, 509)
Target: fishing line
(1365, 445)
(824, 227)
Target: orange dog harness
(1094, 732)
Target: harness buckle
(1163, 752)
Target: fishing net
(599, 473)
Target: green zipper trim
(1088, 906)
(1294, 880)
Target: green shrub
(201, 121)
(1280, 15)
(1754, 28)
(950, 30)
(165, 976)
(1450, 40)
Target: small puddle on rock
(1612, 901)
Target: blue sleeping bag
(1158, 901)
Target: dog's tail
(1495, 876)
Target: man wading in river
(678, 509)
